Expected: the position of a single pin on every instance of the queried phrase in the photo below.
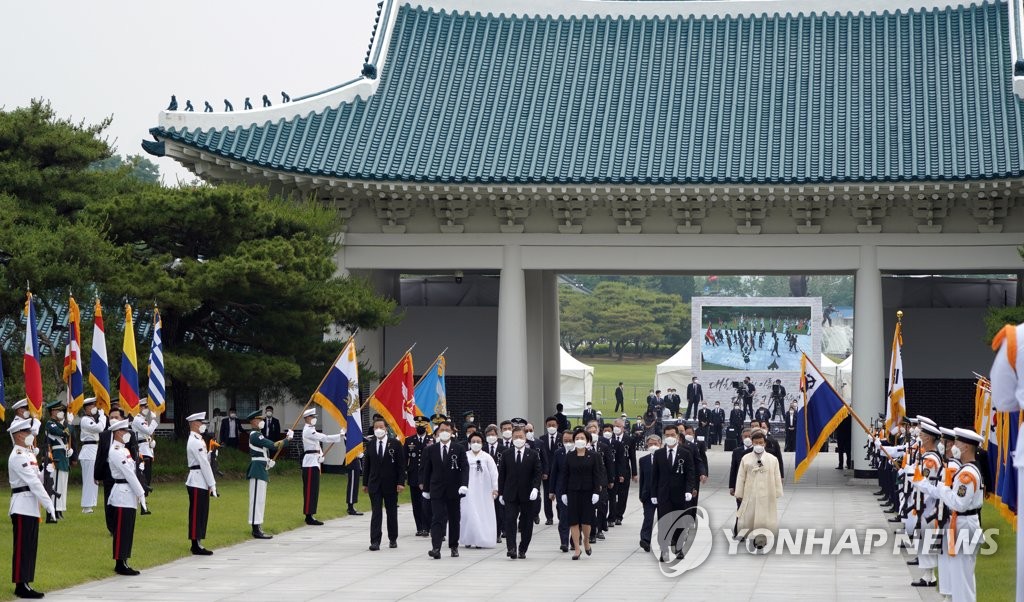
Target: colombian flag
(99, 371)
(128, 387)
(73, 359)
(32, 369)
(395, 401)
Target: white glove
(463, 490)
(100, 412)
(50, 510)
(142, 501)
(689, 496)
(594, 498)
(152, 444)
(654, 501)
(71, 452)
(501, 500)
(565, 500)
(213, 492)
(360, 456)
(50, 469)
(271, 464)
(426, 495)
(291, 434)
(533, 494)
(320, 458)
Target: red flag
(394, 399)
(707, 335)
(30, 363)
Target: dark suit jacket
(694, 393)
(272, 429)
(790, 418)
(589, 415)
(618, 395)
(737, 457)
(414, 452)
(563, 422)
(443, 479)
(557, 462)
(582, 473)
(608, 458)
(762, 414)
(646, 467)
(772, 447)
(383, 474)
(736, 418)
(704, 416)
(224, 429)
(700, 457)
(629, 442)
(547, 451)
(717, 416)
(671, 482)
(621, 459)
(516, 480)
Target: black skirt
(580, 510)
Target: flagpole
(363, 404)
(306, 407)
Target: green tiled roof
(466, 98)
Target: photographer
(746, 391)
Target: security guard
(57, 438)
(125, 496)
(200, 483)
(415, 448)
(27, 493)
(258, 475)
(312, 458)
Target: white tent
(676, 371)
(845, 370)
(829, 369)
(577, 384)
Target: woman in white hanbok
(477, 528)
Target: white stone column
(552, 343)
(535, 347)
(869, 353)
(512, 367)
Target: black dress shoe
(312, 521)
(455, 552)
(896, 520)
(563, 548)
(393, 544)
(618, 521)
(50, 519)
(257, 533)
(374, 547)
(522, 555)
(593, 539)
(646, 547)
(549, 522)
(511, 554)
(600, 535)
(680, 555)
(536, 520)
(122, 568)
(435, 554)
(914, 562)
(353, 512)
(922, 583)
(198, 550)
(143, 512)
(24, 590)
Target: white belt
(264, 459)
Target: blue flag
(430, 392)
(338, 395)
(819, 412)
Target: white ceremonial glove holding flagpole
(533, 494)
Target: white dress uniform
(200, 483)
(1008, 396)
(945, 574)
(312, 457)
(27, 493)
(90, 428)
(125, 496)
(931, 466)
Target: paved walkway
(332, 562)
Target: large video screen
(756, 338)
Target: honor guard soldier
(964, 498)
(952, 466)
(200, 483)
(27, 493)
(57, 439)
(258, 475)
(312, 458)
(144, 425)
(930, 467)
(20, 408)
(415, 448)
(125, 496)
(93, 422)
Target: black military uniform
(415, 447)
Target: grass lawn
(637, 374)
(78, 548)
(994, 573)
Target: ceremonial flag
(338, 395)
(394, 399)
(896, 408)
(708, 336)
(99, 371)
(3, 403)
(430, 391)
(128, 386)
(155, 389)
(73, 359)
(819, 411)
(30, 363)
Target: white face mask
(940, 447)
(519, 443)
(569, 446)
(379, 433)
(60, 415)
(261, 424)
(758, 449)
(312, 421)
(233, 415)
(579, 443)
(616, 430)
(444, 436)
(652, 448)
(552, 430)
(689, 438)
(956, 452)
(747, 442)
(125, 438)
(671, 441)
(93, 411)
(29, 440)
(506, 434)
(202, 429)
(492, 439)
(607, 435)
(476, 446)
(529, 435)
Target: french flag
(33, 372)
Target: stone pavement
(332, 562)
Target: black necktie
(380, 449)
(519, 457)
(444, 453)
(671, 457)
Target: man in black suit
(626, 468)
(762, 414)
(602, 447)
(383, 479)
(563, 421)
(231, 430)
(737, 456)
(747, 390)
(415, 449)
(645, 468)
(717, 424)
(518, 489)
(444, 479)
(672, 482)
(778, 398)
(272, 428)
(589, 413)
(790, 419)
(554, 467)
(652, 401)
(550, 443)
(694, 395)
(620, 399)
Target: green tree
(139, 167)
